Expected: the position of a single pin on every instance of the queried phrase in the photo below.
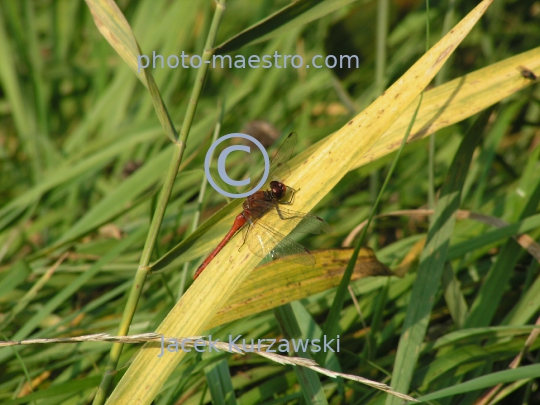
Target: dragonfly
(263, 209)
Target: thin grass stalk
(431, 150)
(380, 78)
(448, 23)
(380, 82)
(439, 79)
(35, 65)
(332, 321)
(24, 369)
(382, 34)
(200, 200)
(31, 294)
(144, 268)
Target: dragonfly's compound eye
(278, 189)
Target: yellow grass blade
(442, 106)
(279, 282)
(319, 173)
(457, 100)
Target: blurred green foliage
(82, 157)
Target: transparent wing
(278, 164)
(308, 223)
(262, 240)
(272, 213)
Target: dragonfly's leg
(282, 216)
(279, 212)
(291, 200)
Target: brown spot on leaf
(444, 53)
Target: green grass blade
(486, 381)
(219, 381)
(491, 292)
(73, 287)
(432, 261)
(308, 379)
(64, 391)
(291, 16)
(116, 30)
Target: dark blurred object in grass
(527, 73)
(261, 130)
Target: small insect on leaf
(527, 73)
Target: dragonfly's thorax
(261, 202)
(258, 203)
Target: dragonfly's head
(284, 194)
(279, 190)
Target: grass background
(76, 123)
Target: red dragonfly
(264, 208)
